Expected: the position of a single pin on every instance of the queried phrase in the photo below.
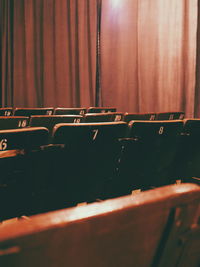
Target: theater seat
(6, 111)
(101, 109)
(148, 154)
(157, 228)
(18, 168)
(50, 121)
(170, 116)
(98, 117)
(69, 111)
(24, 138)
(33, 111)
(139, 116)
(88, 163)
(9, 122)
(187, 164)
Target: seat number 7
(95, 132)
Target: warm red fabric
(148, 53)
(54, 53)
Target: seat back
(101, 109)
(19, 169)
(50, 121)
(98, 117)
(154, 129)
(101, 132)
(25, 138)
(149, 152)
(191, 127)
(187, 160)
(33, 111)
(69, 111)
(170, 116)
(9, 122)
(92, 152)
(6, 111)
(139, 116)
(155, 228)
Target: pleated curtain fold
(54, 52)
(147, 54)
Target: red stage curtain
(197, 88)
(6, 52)
(148, 55)
(54, 52)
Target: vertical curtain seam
(197, 71)
(70, 51)
(90, 72)
(77, 55)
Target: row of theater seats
(49, 121)
(28, 119)
(89, 162)
(82, 162)
(81, 111)
(156, 228)
(9, 111)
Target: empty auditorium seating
(9, 122)
(121, 157)
(170, 116)
(33, 111)
(157, 228)
(69, 111)
(101, 109)
(139, 116)
(50, 121)
(6, 111)
(89, 160)
(148, 154)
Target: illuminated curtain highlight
(148, 55)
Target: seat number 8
(161, 130)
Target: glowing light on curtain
(116, 3)
(148, 55)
